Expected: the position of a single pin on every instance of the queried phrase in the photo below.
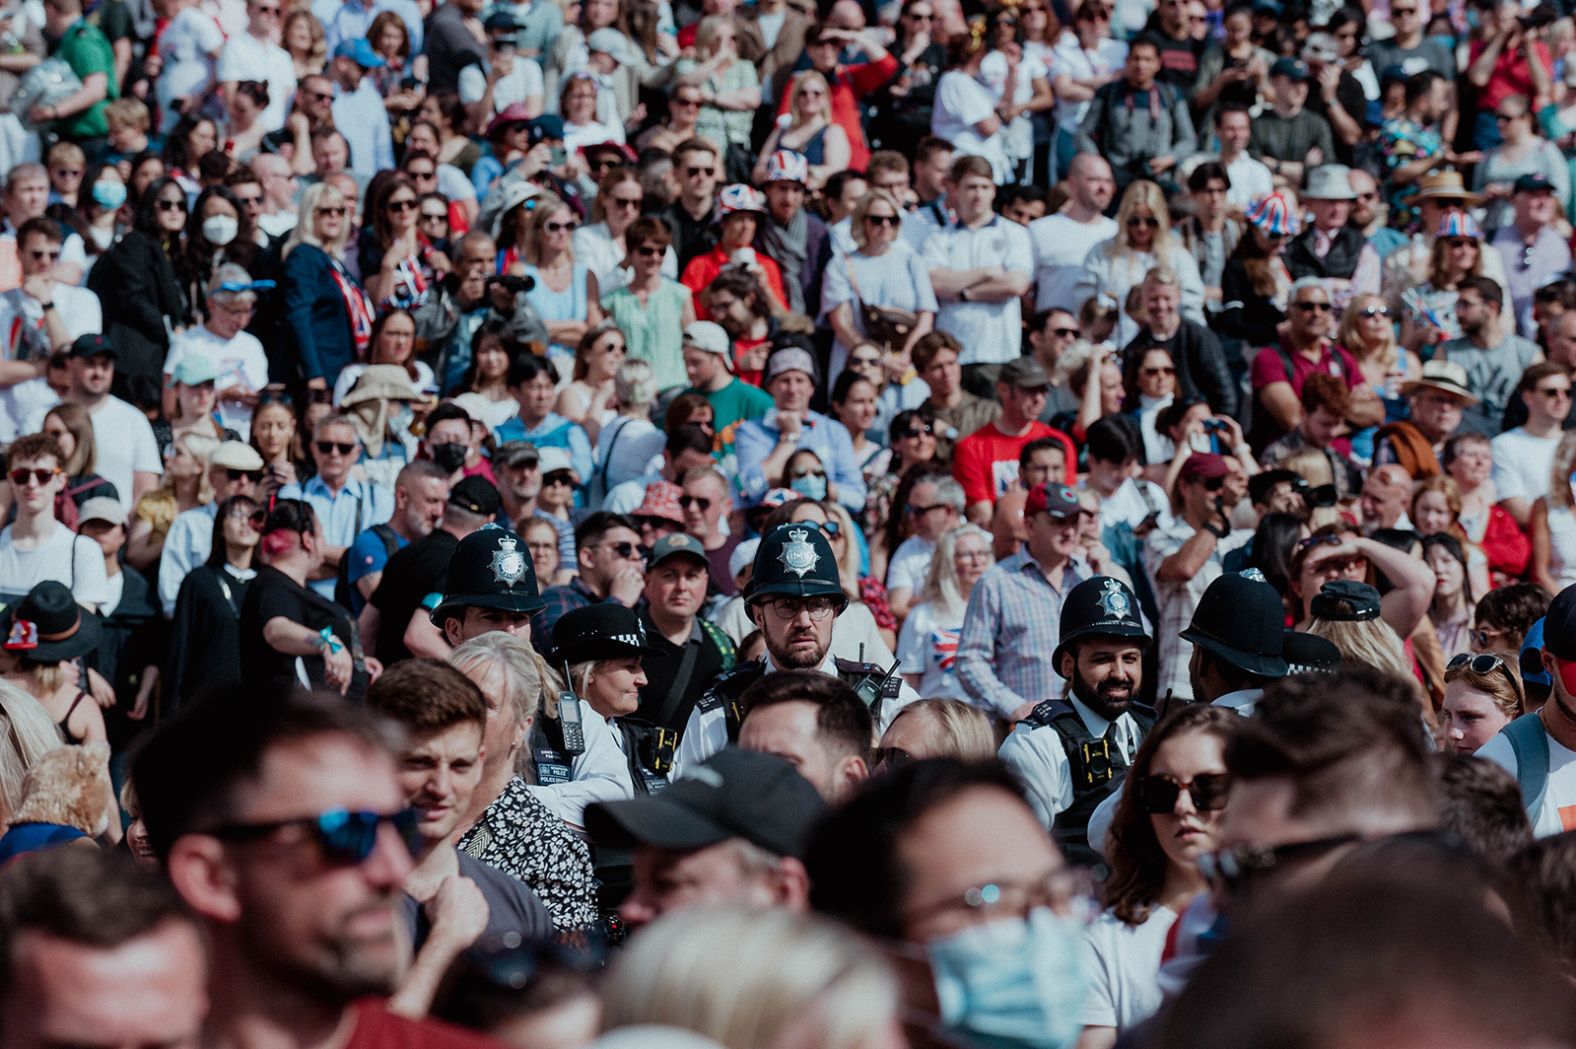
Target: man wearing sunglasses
(36, 546)
(610, 566)
(346, 505)
(281, 822)
(693, 215)
(238, 359)
(1524, 456)
(234, 468)
(1278, 371)
(1493, 356)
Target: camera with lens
(512, 284)
(1538, 17)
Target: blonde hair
(745, 978)
(856, 219)
(809, 76)
(942, 588)
(314, 196)
(634, 384)
(27, 733)
(1560, 477)
(532, 227)
(961, 731)
(127, 113)
(511, 667)
(1386, 352)
(1142, 194)
(848, 564)
(1372, 643)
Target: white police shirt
(1035, 753)
(706, 732)
(599, 774)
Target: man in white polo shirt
(980, 265)
(128, 456)
(253, 55)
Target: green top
(724, 127)
(735, 402)
(654, 331)
(86, 50)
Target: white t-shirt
(125, 446)
(1132, 502)
(23, 405)
(993, 71)
(910, 565)
(1070, 59)
(1123, 962)
(67, 558)
(188, 46)
(927, 646)
(989, 332)
(1558, 811)
(241, 362)
(522, 82)
(247, 58)
(962, 102)
(1060, 246)
(1250, 180)
(1523, 464)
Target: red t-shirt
(985, 462)
(377, 1028)
(1512, 74)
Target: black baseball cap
(1345, 601)
(477, 495)
(93, 346)
(734, 794)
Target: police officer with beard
(1072, 753)
(794, 596)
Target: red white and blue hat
(1459, 224)
(785, 165)
(1273, 216)
(739, 197)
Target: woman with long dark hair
(1168, 816)
(205, 633)
(399, 264)
(137, 285)
(213, 238)
(1256, 284)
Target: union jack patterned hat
(739, 197)
(1273, 216)
(1459, 224)
(785, 165)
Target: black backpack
(342, 588)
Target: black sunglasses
(916, 431)
(627, 550)
(563, 477)
(255, 476)
(1139, 220)
(687, 501)
(343, 835)
(1310, 307)
(341, 447)
(1158, 794)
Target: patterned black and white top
(522, 837)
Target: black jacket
(136, 283)
(1200, 363)
(1244, 314)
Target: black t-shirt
(272, 595)
(662, 670)
(410, 575)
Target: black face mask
(450, 456)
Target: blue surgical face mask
(109, 194)
(809, 486)
(1012, 984)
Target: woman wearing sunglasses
(1428, 314)
(928, 641)
(290, 634)
(1168, 816)
(1143, 242)
(1339, 552)
(398, 262)
(328, 316)
(142, 297)
(1483, 694)
(205, 632)
(541, 246)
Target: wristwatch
(48, 306)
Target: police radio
(569, 717)
(869, 683)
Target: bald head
(1385, 495)
(1091, 183)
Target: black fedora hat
(48, 626)
(1241, 620)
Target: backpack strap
(1530, 743)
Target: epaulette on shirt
(730, 684)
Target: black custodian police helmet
(1100, 606)
(795, 560)
(491, 568)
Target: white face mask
(220, 229)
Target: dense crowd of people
(1002, 524)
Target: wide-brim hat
(1445, 376)
(382, 382)
(1240, 619)
(1443, 185)
(48, 626)
(1330, 182)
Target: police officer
(1073, 752)
(601, 647)
(491, 587)
(795, 596)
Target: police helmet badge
(1253, 574)
(508, 564)
(798, 556)
(1113, 600)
